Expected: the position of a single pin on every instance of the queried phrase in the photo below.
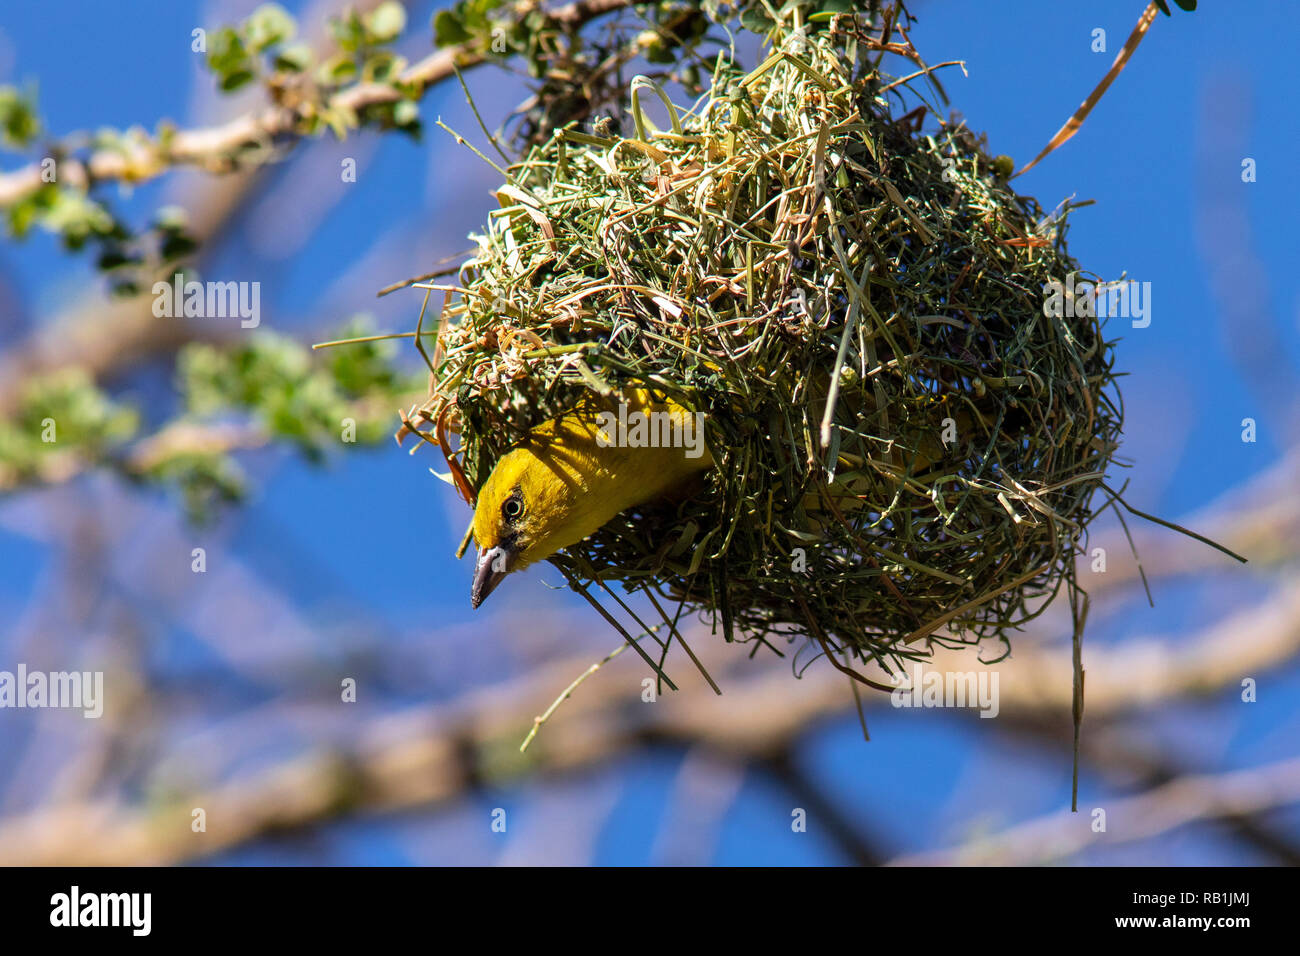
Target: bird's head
(563, 483)
(531, 506)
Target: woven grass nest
(793, 245)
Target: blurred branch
(173, 441)
(430, 756)
(1146, 671)
(273, 388)
(1123, 753)
(706, 787)
(190, 438)
(211, 148)
(1116, 750)
(823, 814)
(1186, 800)
(423, 757)
(103, 337)
(1259, 519)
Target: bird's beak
(493, 565)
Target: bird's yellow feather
(567, 479)
(571, 476)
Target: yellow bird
(571, 475)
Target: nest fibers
(906, 439)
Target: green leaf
(338, 121)
(116, 257)
(1188, 5)
(228, 53)
(755, 20)
(475, 13)
(383, 67)
(349, 32)
(268, 25)
(655, 49)
(86, 416)
(295, 58)
(405, 112)
(386, 21)
(22, 215)
(76, 217)
(19, 124)
(448, 29)
(338, 69)
(176, 245)
(171, 218)
(28, 210)
(358, 369)
(233, 81)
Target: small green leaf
(655, 49)
(338, 69)
(27, 211)
(295, 58)
(19, 124)
(233, 81)
(383, 67)
(22, 215)
(448, 29)
(116, 257)
(227, 53)
(405, 112)
(75, 216)
(349, 32)
(268, 25)
(386, 21)
(755, 20)
(337, 121)
(475, 13)
(176, 245)
(171, 218)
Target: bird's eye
(512, 508)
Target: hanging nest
(906, 443)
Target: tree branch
(429, 756)
(1186, 800)
(212, 148)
